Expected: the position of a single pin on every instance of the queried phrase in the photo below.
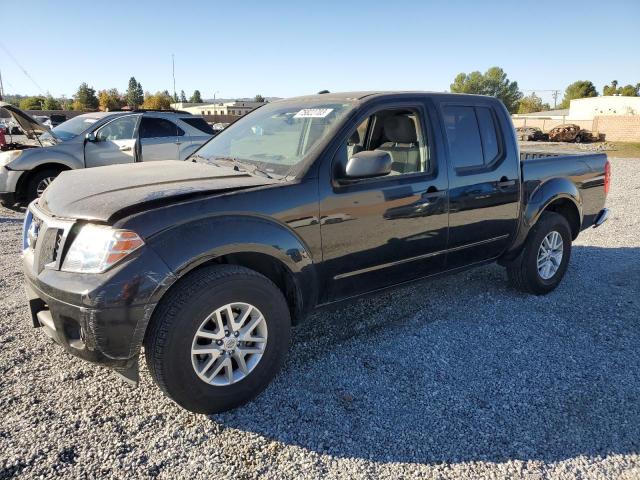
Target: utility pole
(173, 71)
(555, 98)
(1, 88)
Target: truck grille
(45, 236)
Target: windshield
(71, 128)
(276, 138)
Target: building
(583, 109)
(235, 109)
(589, 108)
(615, 117)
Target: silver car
(93, 140)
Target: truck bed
(586, 171)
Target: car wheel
(544, 259)
(578, 139)
(218, 338)
(39, 182)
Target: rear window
(463, 136)
(488, 134)
(152, 127)
(200, 124)
(472, 135)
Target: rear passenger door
(160, 139)
(484, 183)
(200, 132)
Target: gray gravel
(459, 377)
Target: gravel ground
(460, 377)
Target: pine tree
(183, 97)
(196, 98)
(85, 98)
(134, 95)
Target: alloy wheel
(550, 255)
(229, 344)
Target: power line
(15, 60)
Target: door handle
(505, 182)
(430, 198)
(125, 149)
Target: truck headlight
(96, 248)
(7, 157)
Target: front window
(277, 137)
(73, 127)
(120, 129)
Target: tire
(183, 312)
(38, 180)
(578, 139)
(524, 273)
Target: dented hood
(105, 193)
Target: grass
(625, 150)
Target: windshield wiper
(195, 157)
(246, 166)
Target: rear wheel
(39, 181)
(218, 338)
(541, 265)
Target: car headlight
(7, 157)
(96, 248)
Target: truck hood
(27, 123)
(107, 193)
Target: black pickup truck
(207, 263)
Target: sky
(288, 48)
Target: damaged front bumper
(101, 318)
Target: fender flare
(202, 241)
(541, 198)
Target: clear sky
(287, 48)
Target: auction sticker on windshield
(313, 113)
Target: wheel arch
(24, 180)
(260, 244)
(559, 195)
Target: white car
(93, 140)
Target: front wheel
(541, 265)
(39, 182)
(218, 338)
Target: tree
(493, 82)
(579, 89)
(110, 100)
(630, 91)
(32, 103)
(85, 98)
(610, 89)
(134, 96)
(532, 103)
(259, 98)
(159, 101)
(196, 98)
(183, 97)
(51, 103)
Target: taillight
(607, 176)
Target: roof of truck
(360, 95)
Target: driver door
(114, 142)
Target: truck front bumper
(100, 318)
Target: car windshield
(276, 138)
(71, 128)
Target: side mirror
(91, 137)
(373, 163)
